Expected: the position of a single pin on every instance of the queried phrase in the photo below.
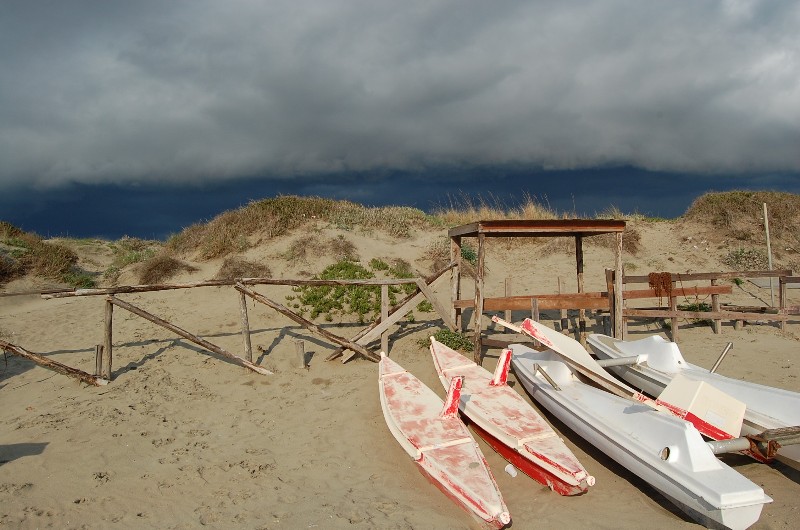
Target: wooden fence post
(508, 293)
(248, 347)
(384, 316)
(715, 307)
(673, 306)
(98, 360)
(107, 353)
(300, 352)
(563, 312)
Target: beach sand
(182, 438)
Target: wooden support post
(300, 353)
(535, 309)
(507, 291)
(619, 332)
(186, 335)
(673, 306)
(563, 312)
(782, 300)
(478, 308)
(107, 353)
(98, 360)
(738, 324)
(455, 280)
(715, 307)
(579, 265)
(52, 365)
(384, 316)
(248, 347)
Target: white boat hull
(510, 424)
(440, 444)
(666, 452)
(661, 360)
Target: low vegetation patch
(237, 267)
(452, 339)
(746, 260)
(160, 268)
(362, 301)
(699, 307)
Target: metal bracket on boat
(620, 361)
(721, 356)
(537, 368)
(765, 445)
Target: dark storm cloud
(180, 91)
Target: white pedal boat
(431, 432)
(657, 361)
(666, 452)
(509, 423)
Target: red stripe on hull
(537, 473)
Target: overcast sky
(143, 92)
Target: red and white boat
(434, 436)
(509, 424)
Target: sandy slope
(182, 438)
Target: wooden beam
(705, 315)
(443, 313)
(705, 276)
(53, 365)
(185, 334)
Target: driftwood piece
(185, 334)
(53, 365)
(397, 307)
(307, 323)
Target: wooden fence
(377, 329)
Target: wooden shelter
(577, 228)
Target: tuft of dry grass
(160, 268)
(237, 267)
(465, 209)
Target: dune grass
(27, 253)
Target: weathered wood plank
(53, 365)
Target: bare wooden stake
(508, 293)
(384, 316)
(563, 312)
(53, 365)
(300, 352)
(98, 360)
(107, 353)
(248, 347)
